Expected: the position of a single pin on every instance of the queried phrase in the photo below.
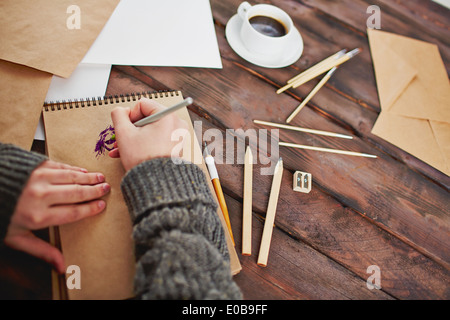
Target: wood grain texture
(340, 233)
(366, 186)
(373, 213)
(391, 212)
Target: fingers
(144, 108)
(58, 165)
(70, 176)
(125, 117)
(64, 214)
(62, 204)
(74, 193)
(27, 242)
(121, 119)
(114, 153)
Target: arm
(181, 252)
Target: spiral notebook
(101, 246)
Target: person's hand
(55, 194)
(137, 144)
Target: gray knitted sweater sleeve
(181, 251)
(16, 166)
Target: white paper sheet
(158, 33)
(87, 81)
(445, 3)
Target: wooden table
(391, 212)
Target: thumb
(29, 243)
(121, 119)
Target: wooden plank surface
(384, 220)
(341, 234)
(392, 212)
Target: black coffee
(268, 26)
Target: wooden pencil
(311, 94)
(318, 65)
(294, 128)
(247, 206)
(328, 63)
(350, 153)
(317, 71)
(270, 215)
(324, 69)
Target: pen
(159, 115)
(218, 188)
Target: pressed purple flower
(105, 141)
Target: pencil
(313, 131)
(270, 215)
(318, 65)
(317, 71)
(155, 117)
(350, 153)
(218, 189)
(311, 94)
(247, 206)
(321, 64)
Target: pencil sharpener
(302, 182)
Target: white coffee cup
(260, 43)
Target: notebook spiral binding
(88, 102)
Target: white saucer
(294, 50)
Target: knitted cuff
(16, 166)
(161, 182)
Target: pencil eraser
(302, 182)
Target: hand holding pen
(136, 141)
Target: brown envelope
(414, 93)
(22, 95)
(36, 43)
(35, 33)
